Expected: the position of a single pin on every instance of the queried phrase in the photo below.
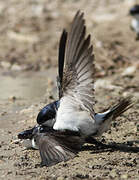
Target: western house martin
(65, 125)
(134, 12)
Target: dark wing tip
(78, 14)
(61, 57)
(88, 39)
(62, 46)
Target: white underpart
(135, 23)
(34, 144)
(29, 143)
(49, 123)
(100, 116)
(69, 117)
(103, 127)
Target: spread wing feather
(78, 77)
(52, 151)
(61, 56)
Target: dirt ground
(30, 32)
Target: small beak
(27, 134)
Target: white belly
(69, 117)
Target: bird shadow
(99, 147)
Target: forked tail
(119, 108)
(104, 119)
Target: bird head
(47, 114)
(134, 11)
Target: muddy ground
(30, 32)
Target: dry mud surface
(30, 31)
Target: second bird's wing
(56, 147)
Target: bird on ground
(134, 12)
(65, 125)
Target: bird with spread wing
(65, 125)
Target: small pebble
(12, 98)
(60, 178)
(113, 173)
(124, 176)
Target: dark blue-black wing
(61, 57)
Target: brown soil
(30, 32)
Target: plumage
(78, 78)
(51, 152)
(61, 57)
(79, 68)
(56, 146)
(104, 119)
(47, 114)
(119, 108)
(65, 125)
(134, 12)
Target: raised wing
(78, 78)
(61, 56)
(55, 147)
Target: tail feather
(119, 108)
(104, 119)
